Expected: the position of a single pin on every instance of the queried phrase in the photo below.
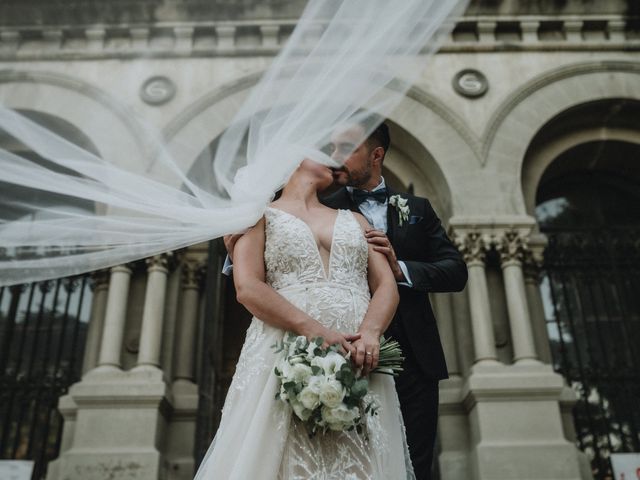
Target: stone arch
(434, 145)
(64, 129)
(540, 159)
(528, 110)
(89, 109)
(609, 120)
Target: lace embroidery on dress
(290, 254)
(258, 438)
(250, 364)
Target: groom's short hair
(379, 136)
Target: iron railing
(43, 329)
(591, 286)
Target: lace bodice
(257, 437)
(292, 257)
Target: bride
(307, 269)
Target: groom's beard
(343, 177)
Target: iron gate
(43, 329)
(591, 287)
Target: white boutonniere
(400, 204)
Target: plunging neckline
(325, 270)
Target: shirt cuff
(405, 272)
(227, 268)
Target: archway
(581, 180)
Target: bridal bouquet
(322, 386)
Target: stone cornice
(264, 38)
(492, 226)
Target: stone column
(114, 318)
(532, 268)
(444, 317)
(514, 422)
(182, 429)
(100, 286)
(473, 247)
(512, 248)
(153, 312)
(186, 331)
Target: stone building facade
(523, 95)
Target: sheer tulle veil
(66, 209)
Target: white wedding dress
(258, 437)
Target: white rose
(301, 412)
(317, 362)
(314, 383)
(309, 398)
(345, 414)
(328, 415)
(331, 420)
(333, 362)
(300, 372)
(331, 393)
(330, 364)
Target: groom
(423, 260)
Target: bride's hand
(367, 351)
(332, 337)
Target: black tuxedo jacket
(434, 265)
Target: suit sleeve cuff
(407, 277)
(227, 268)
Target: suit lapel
(341, 199)
(351, 205)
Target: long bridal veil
(67, 208)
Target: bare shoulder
(256, 231)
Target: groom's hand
(230, 243)
(381, 244)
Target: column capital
(99, 279)
(163, 261)
(473, 245)
(512, 246)
(193, 273)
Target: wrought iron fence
(43, 329)
(591, 288)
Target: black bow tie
(360, 196)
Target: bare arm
(230, 243)
(267, 304)
(382, 307)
